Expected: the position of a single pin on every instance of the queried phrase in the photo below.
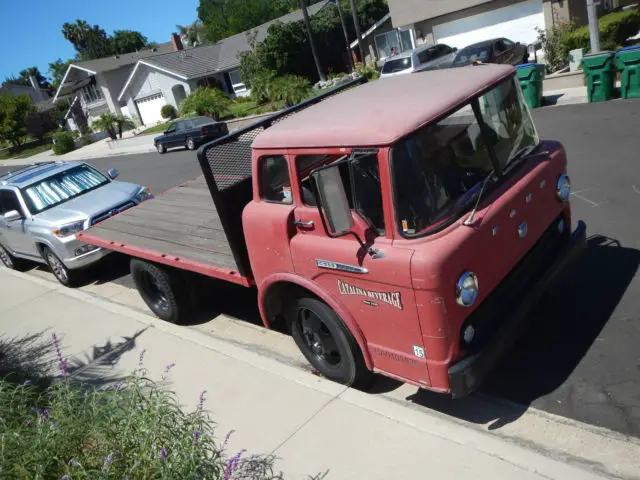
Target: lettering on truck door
(377, 292)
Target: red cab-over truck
(404, 226)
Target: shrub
(289, 89)
(123, 123)
(85, 139)
(168, 112)
(134, 429)
(106, 123)
(211, 102)
(63, 143)
(260, 85)
(368, 71)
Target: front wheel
(161, 148)
(8, 260)
(161, 290)
(65, 276)
(326, 342)
(191, 144)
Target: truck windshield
(62, 187)
(438, 170)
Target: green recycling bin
(600, 71)
(628, 62)
(531, 76)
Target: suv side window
(9, 201)
(444, 50)
(275, 182)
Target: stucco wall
(405, 12)
(148, 81)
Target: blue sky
(31, 29)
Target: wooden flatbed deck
(180, 228)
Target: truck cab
(409, 234)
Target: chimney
(177, 43)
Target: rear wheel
(161, 148)
(161, 290)
(7, 259)
(191, 144)
(65, 276)
(326, 342)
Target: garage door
(517, 22)
(149, 108)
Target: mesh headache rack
(226, 165)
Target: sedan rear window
(199, 121)
(397, 65)
(470, 54)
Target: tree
(289, 89)
(57, 70)
(14, 115)
(106, 123)
(211, 102)
(89, 41)
(23, 78)
(127, 41)
(193, 34)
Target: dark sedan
(497, 50)
(190, 133)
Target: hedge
(63, 143)
(615, 28)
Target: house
(34, 91)
(380, 40)
(168, 78)
(459, 23)
(93, 85)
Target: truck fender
(312, 287)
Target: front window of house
(392, 40)
(91, 93)
(236, 82)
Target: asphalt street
(580, 359)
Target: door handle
(301, 224)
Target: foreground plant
(134, 429)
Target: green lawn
(27, 152)
(157, 129)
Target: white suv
(425, 57)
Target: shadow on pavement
(562, 330)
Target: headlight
(467, 289)
(563, 188)
(143, 194)
(69, 229)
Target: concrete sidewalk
(314, 426)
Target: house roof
(382, 112)
(116, 61)
(205, 60)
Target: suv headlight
(69, 229)
(563, 188)
(144, 194)
(467, 289)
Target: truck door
(376, 291)
(13, 233)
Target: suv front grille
(110, 213)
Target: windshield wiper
(469, 220)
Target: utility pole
(346, 35)
(356, 24)
(594, 30)
(314, 52)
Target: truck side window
(8, 202)
(275, 183)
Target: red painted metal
(177, 262)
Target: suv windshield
(396, 65)
(62, 187)
(438, 170)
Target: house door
(377, 292)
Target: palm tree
(191, 35)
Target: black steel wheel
(63, 274)
(326, 342)
(161, 290)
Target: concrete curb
(618, 452)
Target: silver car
(425, 57)
(43, 206)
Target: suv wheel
(59, 269)
(191, 145)
(161, 148)
(7, 259)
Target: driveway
(581, 358)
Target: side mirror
(113, 173)
(12, 216)
(333, 198)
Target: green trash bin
(628, 62)
(600, 71)
(531, 76)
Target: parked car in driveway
(43, 206)
(190, 133)
(425, 57)
(497, 50)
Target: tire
(326, 342)
(63, 274)
(161, 148)
(8, 260)
(161, 290)
(191, 144)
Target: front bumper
(514, 301)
